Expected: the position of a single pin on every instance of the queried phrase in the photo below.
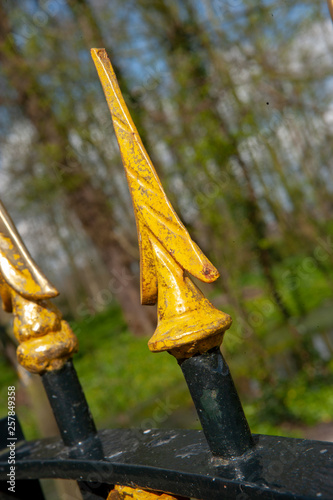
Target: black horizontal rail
(180, 462)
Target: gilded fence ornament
(46, 340)
(127, 493)
(187, 322)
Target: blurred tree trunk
(264, 253)
(79, 284)
(88, 202)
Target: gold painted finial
(187, 322)
(128, 493)
(46, 340)
(16, 265)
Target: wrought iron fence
(224, 460)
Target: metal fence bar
(218, 405)
(226, 461)
(46, 343)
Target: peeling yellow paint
(187, 322)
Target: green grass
(125, 383)
(8, 377)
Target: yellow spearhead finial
(167, 251)
(46, 340)
(16, 265)
(153, 211)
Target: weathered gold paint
(6, 296)
(187, 322)
(127, 493)
(46, 340)
(16, 265)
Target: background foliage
(233, 100)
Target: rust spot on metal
(206, 271)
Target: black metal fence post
(75, 422)
(217, 403)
